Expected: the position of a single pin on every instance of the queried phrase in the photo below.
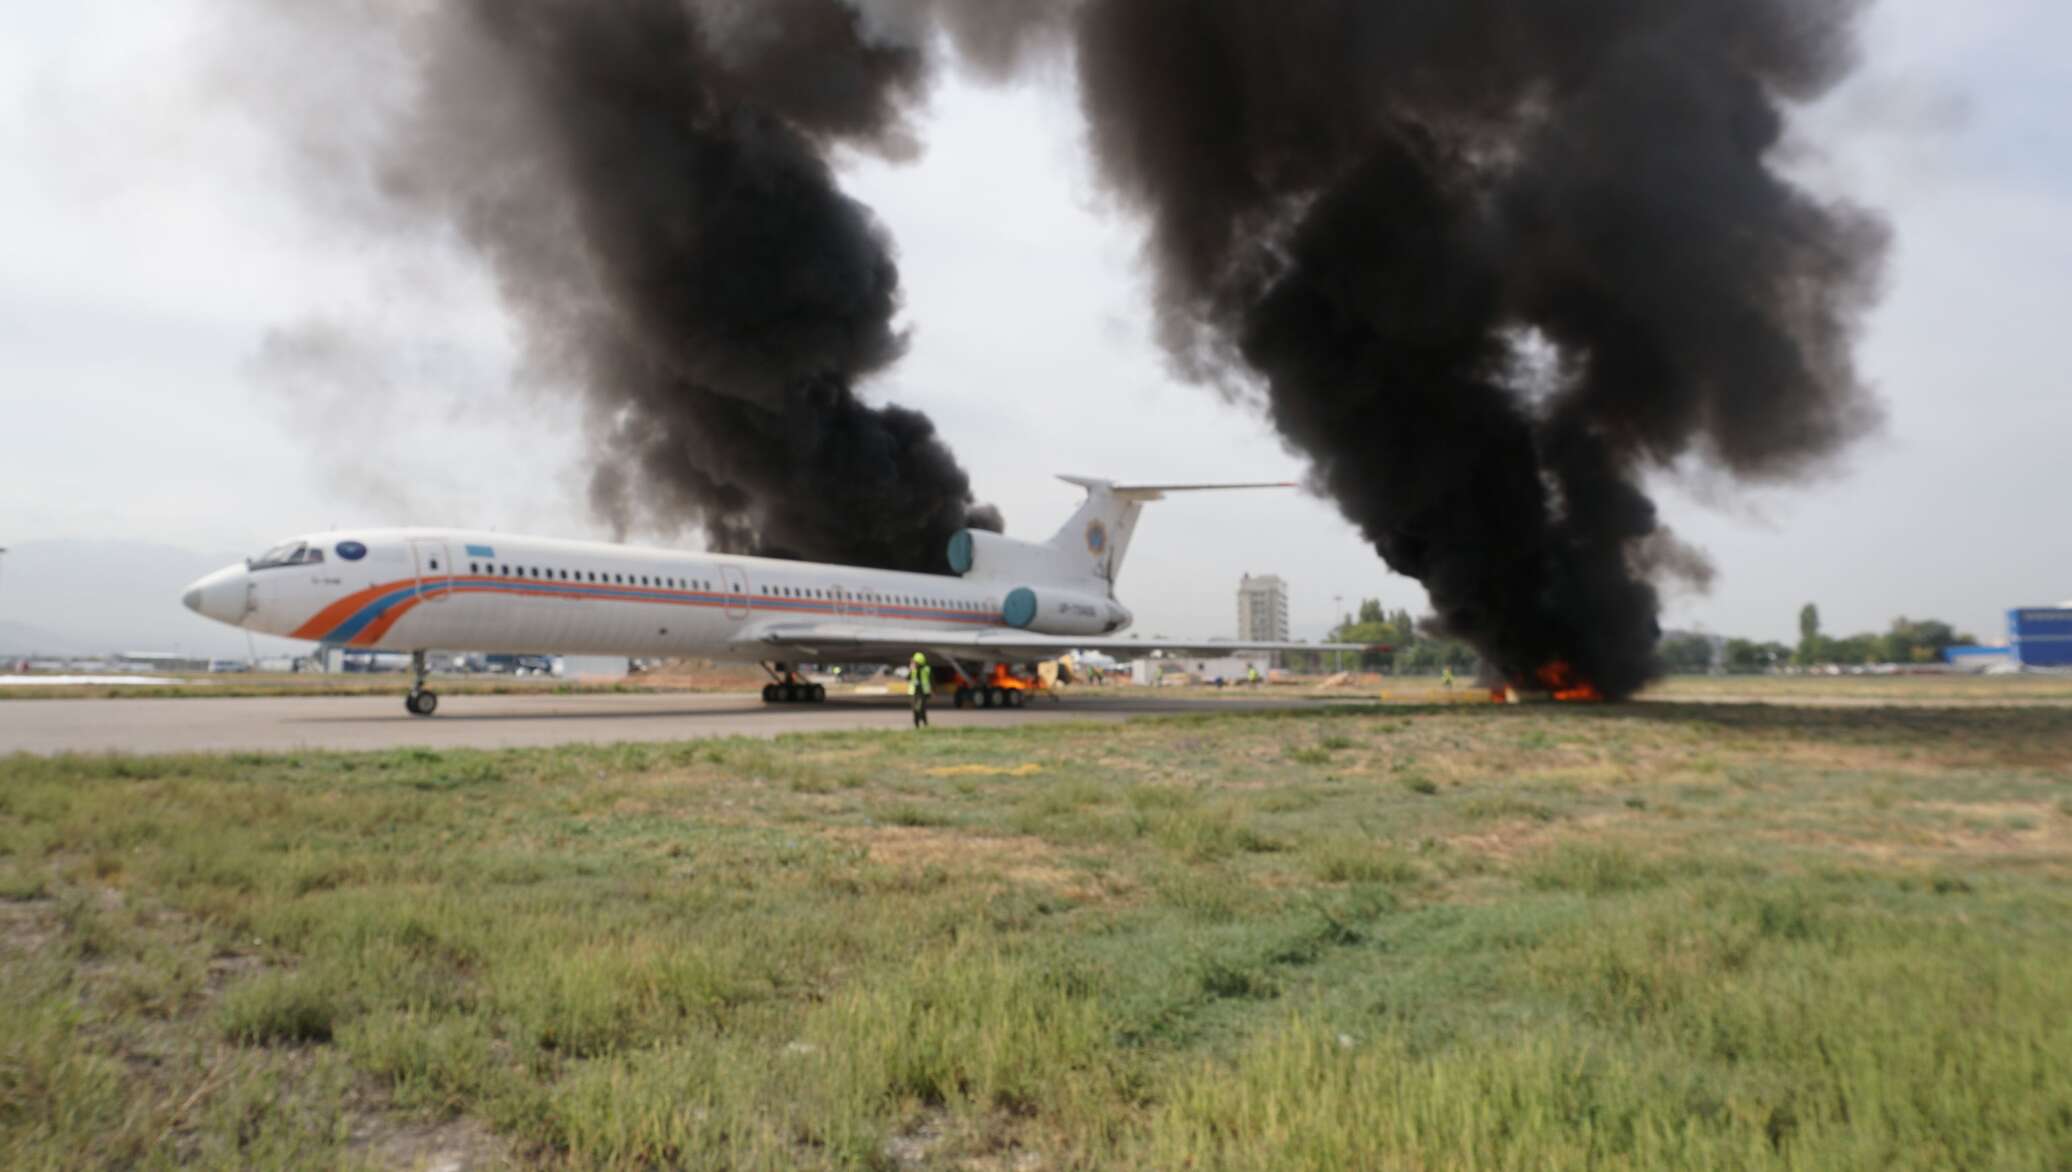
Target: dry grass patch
(916, 849)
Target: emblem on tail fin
(1096, 538)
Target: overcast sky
(153, 239)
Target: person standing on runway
(920, 683)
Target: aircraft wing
(857, 641)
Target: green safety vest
(921, 681)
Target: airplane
(419, 589)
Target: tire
(769, 693)
(1014, 697)
(421, 703)
(819, 694)
(962, 699)
(988, 697)
(790, 693)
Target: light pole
(1338, 608)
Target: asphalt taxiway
(200, 725)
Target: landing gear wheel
(421, 703)
(791, 693)
(818, 694)
(770, 693)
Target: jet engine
(1049, 610)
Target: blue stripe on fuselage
(598, 591)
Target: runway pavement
(198, 725)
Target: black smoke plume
(1489, 261)
(649, 180)
(1386, 208)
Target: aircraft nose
(219, 596)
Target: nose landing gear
(421, 701)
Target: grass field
(1656, 935)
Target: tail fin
(1098, 535)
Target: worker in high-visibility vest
(920, 683)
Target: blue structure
(1978, 657)
(2041, 636)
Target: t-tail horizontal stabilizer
(1104, 524)
(1085, 556)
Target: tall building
(1262, 608)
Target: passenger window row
(876, 599)
(557, 574)
(554, 574)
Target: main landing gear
(421, 701)
(785, 687)
(988, 696)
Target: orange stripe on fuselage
(338, 612)
(321, 623)
(371, 633)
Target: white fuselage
(415, 589)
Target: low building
(174, 661)
(1980, 657)
(1231, 669)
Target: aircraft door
(736, 584)
(434, 568)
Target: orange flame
(1562, 680)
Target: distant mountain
(97, 597)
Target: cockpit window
(291, 553)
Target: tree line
(1420, 648)
(1417, 648)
